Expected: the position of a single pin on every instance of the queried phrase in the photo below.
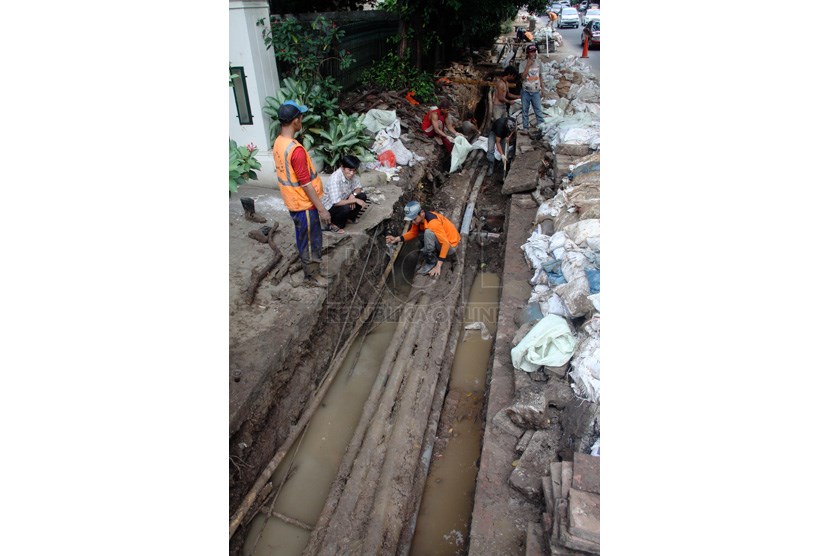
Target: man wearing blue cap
(301, 189)
(438, 236)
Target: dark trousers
(339, 215)
(309, 238)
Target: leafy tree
(452, 24)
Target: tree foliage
(456, 24)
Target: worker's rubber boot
(250, 212)
(428, 264)
(490, 166)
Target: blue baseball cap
(290, 110)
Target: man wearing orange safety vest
(438, 235)
(301, 189)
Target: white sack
(580, 232)
(585, 363)
(461, 148)
(376, 120)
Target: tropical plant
(322, 108)
(346, 134)
(327, 130)
(304, 48)
(393, 72)
(242, 164)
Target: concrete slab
(567, 477)
(583, 515)
(586, 472)
(566, 536)
(526, 478)
(500, 514)
(556, 479)
(535, 540)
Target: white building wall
(247, 49)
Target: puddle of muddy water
(447, 504)
(315, 458)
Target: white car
(568, 18)
(590, 16)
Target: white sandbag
(540, 292)
(582, 230)
(550, 208)
(376, 120)
(461, 148)
(575, 295)
(585, 365)
(557, 241)
(550, 342)
(573, 265)
(536, 250)
(554, 305)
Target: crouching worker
(498, 140)
(436, 124)
(344, 197)
(438, 237)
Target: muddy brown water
(446, 506)
(314, 459)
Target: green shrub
(394, 73)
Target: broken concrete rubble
(534, 462)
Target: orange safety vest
(293, 195)
(445, 232)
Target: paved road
(572, 44)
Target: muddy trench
(385, 445)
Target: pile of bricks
(571, 522)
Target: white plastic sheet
(461, 148)
(550, 342)
(377, 120)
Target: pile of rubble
(570, 524)
(572, 112)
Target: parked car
(591, 32)
(568, 18)
(555, 8)
(590, 16)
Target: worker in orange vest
(302, 190)
(438, 235)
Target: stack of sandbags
(571, 492)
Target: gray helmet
(411, 210)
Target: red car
(591, 32)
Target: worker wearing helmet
(438, 235)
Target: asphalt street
(572, 39)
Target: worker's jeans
(491, 146)
(536, 100)
(431, 246)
